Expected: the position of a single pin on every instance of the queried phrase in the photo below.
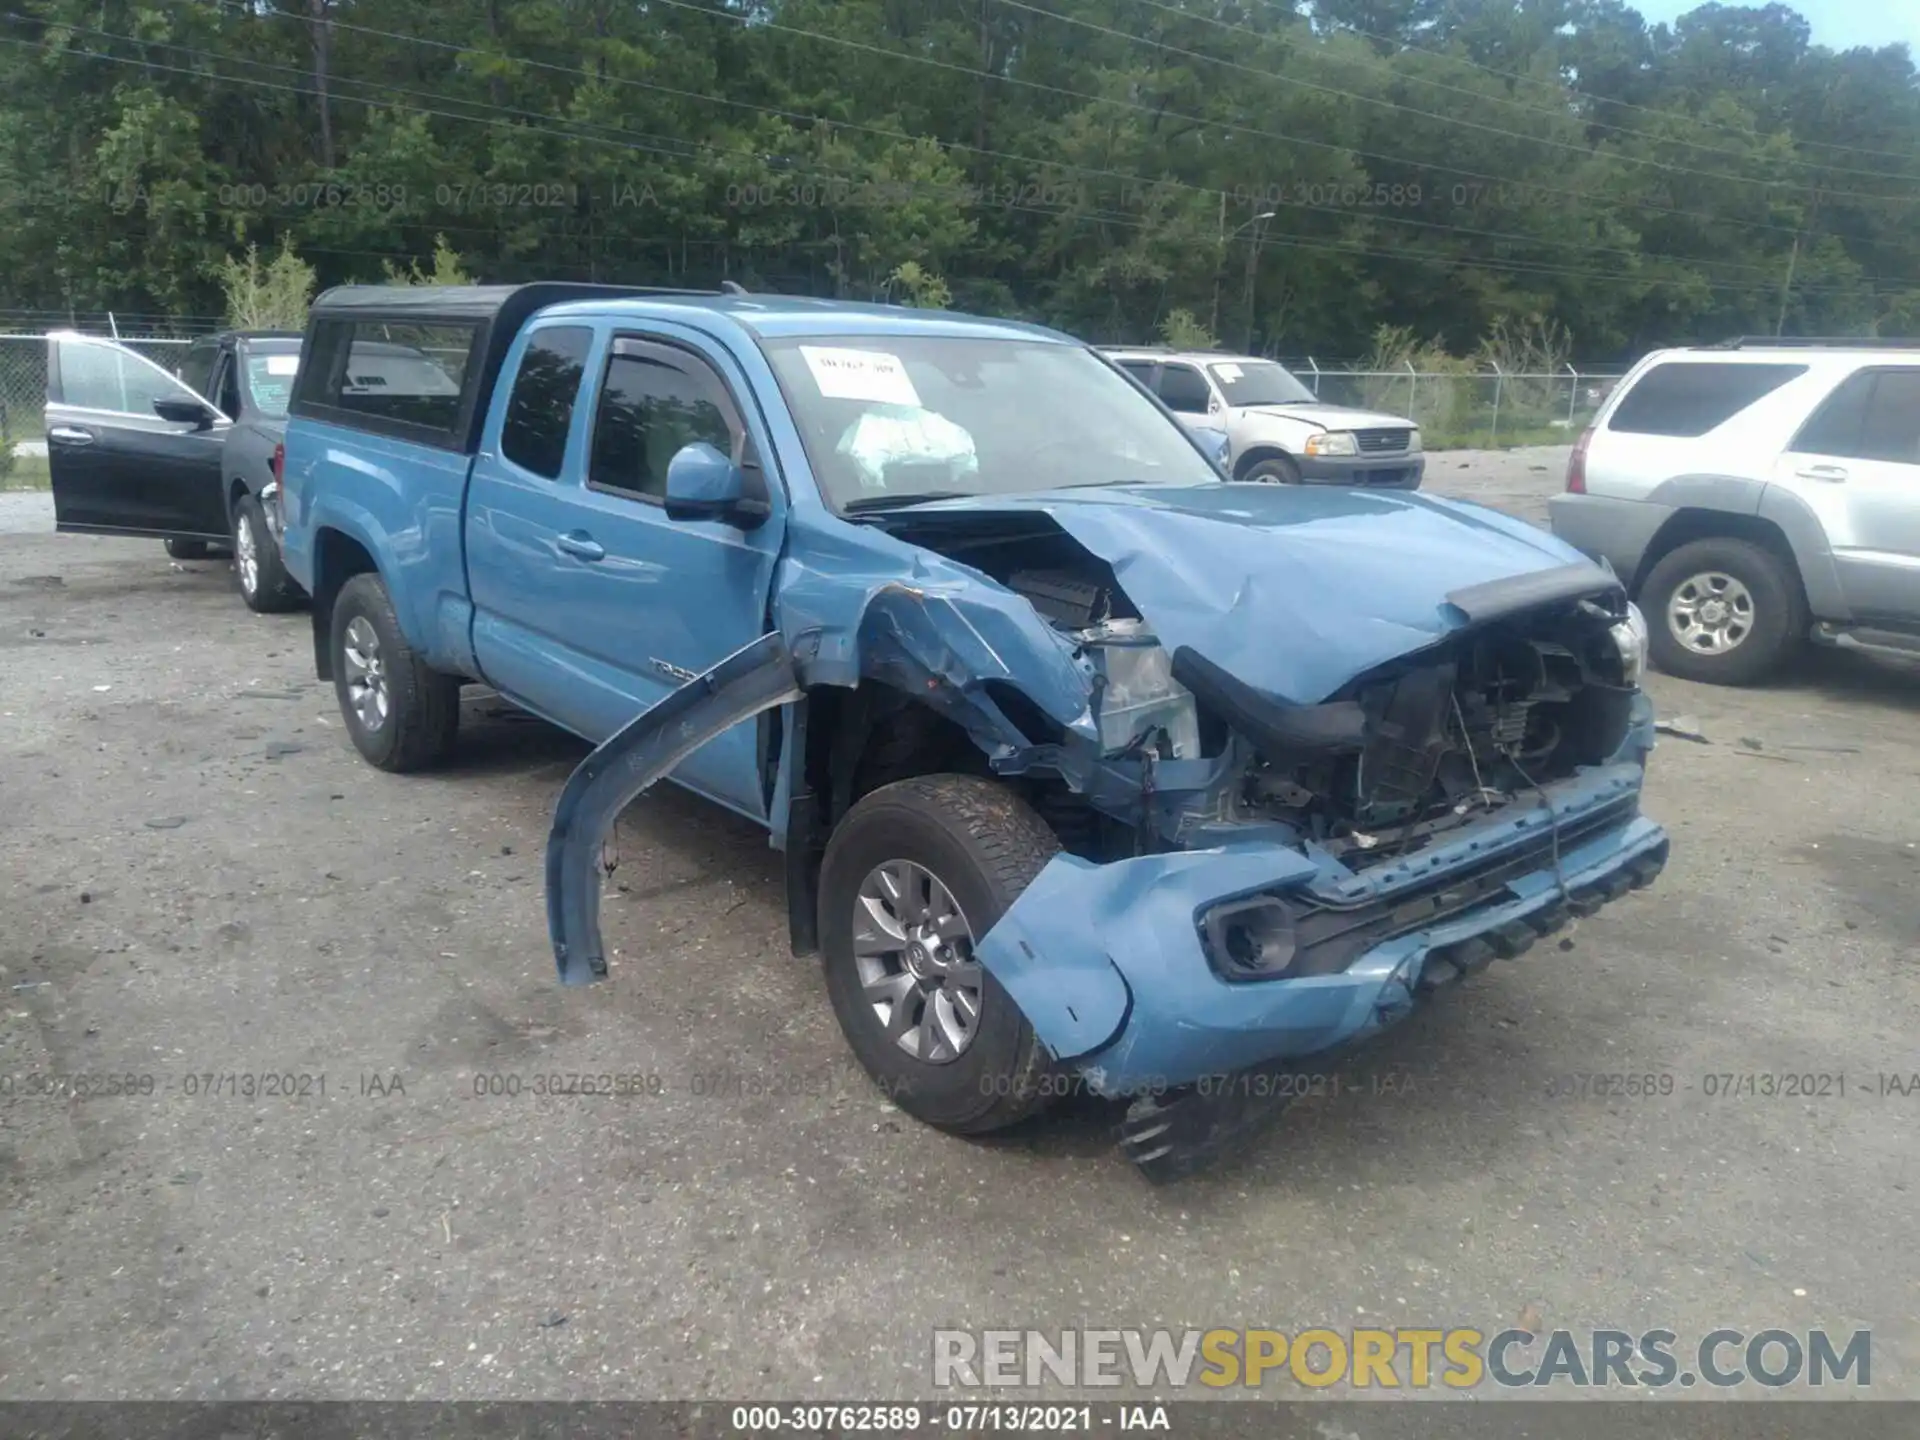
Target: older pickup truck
(1092, 768)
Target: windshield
(884, 417)
(1259, 382)
(270, 370)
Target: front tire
(1723, 612)
(257, 567)
(914, 875)
(401, 712)
(187, 549)
(1274, 470)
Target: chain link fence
(1454, 408)
(1471, 408)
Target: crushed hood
(1293, 590)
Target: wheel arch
(1693, 523)
(337, 558)
(1264, 450)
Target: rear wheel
(1275, 469)
(187, 549)
(257, 567)
(401, 712)
(1723, 612)
(913, 877)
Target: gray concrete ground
(202, 883)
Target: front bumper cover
(1108, 965)
(1380, 472)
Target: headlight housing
(1137, 691)
(1333, 442)
(1413, 441)
(1629, 638)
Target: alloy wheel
(914, 951)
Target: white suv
(1756, 494)
(1277, 429)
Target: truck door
(1857, 463)
(131, 450)
(590, 605)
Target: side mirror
(703, 484)
(183, 411)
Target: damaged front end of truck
(1311, 757)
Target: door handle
(70, 435)
(581, 546)
(1832, 474)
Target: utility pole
(1793, 260)
(1219, 263)
(1253, 266)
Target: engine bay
(1520, 696)
(1493, 716)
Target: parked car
(1091, 767)
(1277, 429)
(192, 455)
(1757, 494)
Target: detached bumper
(1378, 472)
(1109, 966)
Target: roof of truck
(766, 315)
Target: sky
(1839, 24)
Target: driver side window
(1184, 389)
(651, 405)
(99, 375)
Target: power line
(1162, 113)
(1265, 241)
(1582, 150)
(1561, 87)
(1130, 177)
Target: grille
(1381, 442)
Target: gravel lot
(200, 878)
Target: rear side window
(648, 410)
(540, 409)
(1684, 398)
(1892, 430)
(197, 368)
(1836, 425)
(1875, 415)
(397, 374)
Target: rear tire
(401, 713)
(187, 549)
(257, 567)
(1275, 470)
(1723, 612)
(980, 845)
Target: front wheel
(187, 549)
(1723, 612)
(401, 712)
(257, 567)
(913, 877)
(1275, 470)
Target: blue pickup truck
(1092, 769)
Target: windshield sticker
(894, 442)
(283, 364)
(1228, 373)
(870, 375)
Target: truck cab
(1088, 764)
